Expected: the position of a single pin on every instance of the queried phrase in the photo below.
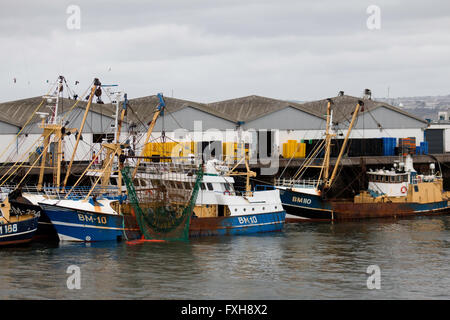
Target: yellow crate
(292, 149)
(230, 150)
(300, 150)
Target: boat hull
(45, 230)
(314, 208)
(86, 226)
(18, 232)
(237, 225)
(356, 211)
(301, 206)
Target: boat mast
(52, 128)
(326, 144)
(113, 149)
(248, 173)
(333, 174)
(95, 86)
(324, 170)
(159, 110)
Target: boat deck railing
(162, 167)
(77, 192)
(153, 167)
(297, 183)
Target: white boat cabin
(397, 181)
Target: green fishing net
(163, 201)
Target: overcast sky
(211, 50)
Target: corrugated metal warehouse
(219, 121)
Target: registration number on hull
(7, 229)
(301, 200)
(247, 220)
(92, 219)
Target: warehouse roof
(18, 112)
(252, 107)
(142, 109)
(242, 109)
(345, 105)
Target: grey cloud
(212, 50)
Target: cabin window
(113, 181)
(391, 179)
(187, 185)
(405, 178)
(210, 186)
(143, 183)
(377, 178)
(202, 186)
(416, 188)
(227, 187)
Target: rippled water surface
(305, 261)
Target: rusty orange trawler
(400, 191)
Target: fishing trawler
(393, 193)
(93, 213)
(219, 208)
(54, 130)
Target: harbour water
(305, 261)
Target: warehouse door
(435, 139)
